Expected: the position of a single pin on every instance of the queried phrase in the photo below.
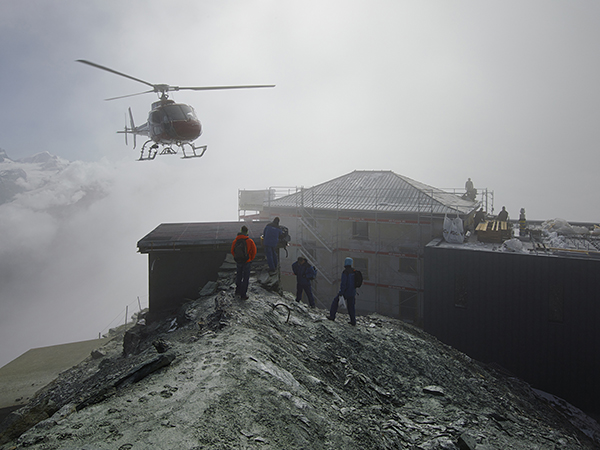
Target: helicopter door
(157, 121)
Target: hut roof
(382, 191)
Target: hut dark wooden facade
(183, 257)
(535, 315)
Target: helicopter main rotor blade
(211, 88)
(129, 95)
(164, 88)
(98, 66)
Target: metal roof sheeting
(181, 235)
(381, 191)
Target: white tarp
(453, 230)
(561, 226)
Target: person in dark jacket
(503, 215)
(304, 274)
(242, 277)
(348, 291)
(479, 217)
(271, 235)
(471, 192)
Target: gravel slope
(229, 374)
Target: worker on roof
(471, 192)
(503, 215)
(479, 217)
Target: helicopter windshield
(179, 112)
(189, 112)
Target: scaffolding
(384, 230)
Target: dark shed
(183, 257)
(536, 315)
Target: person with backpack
(304, 274)
(243, 250)
(271, 235)
(351, 279)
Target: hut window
(360, 230)
(310, 247)
(408, 265)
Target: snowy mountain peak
(46, 160)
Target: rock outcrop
(227, 373)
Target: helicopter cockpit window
(189, 112)
(174, 112)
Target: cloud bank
(68, 261)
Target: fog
(68, 261)
(504, 92)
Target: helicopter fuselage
(170, 125)
(171, 122)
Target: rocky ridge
(270, 373)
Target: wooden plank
(482, 226)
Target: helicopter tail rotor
(125, 131)
(131, 129)
(132, 126)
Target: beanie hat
(244, 229)
(348, 262)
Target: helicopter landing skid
(149, 152)
(168, 151)
(194, 148)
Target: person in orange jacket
(243, 250)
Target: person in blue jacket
(271, 235)
(304, 274)
(348, 291)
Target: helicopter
(170, 125)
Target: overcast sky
(505, 92)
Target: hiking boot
(330, 318)
(245, 297)
(353, 324)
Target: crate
(495, 231)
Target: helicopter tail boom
(141, 130)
